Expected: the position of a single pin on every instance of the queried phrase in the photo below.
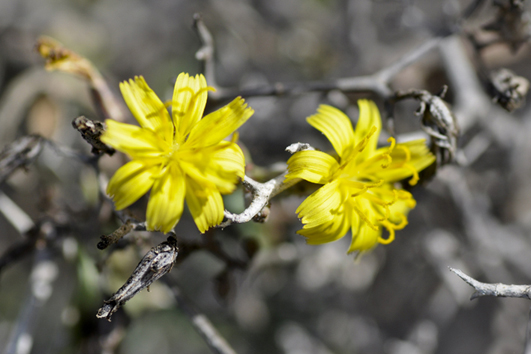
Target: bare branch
(115, 236)
(497, 290)
(263, 192)
(202, 325)
(471, 8)
(472, 105)
(388, 73)
(206, 53)
(19, 153)
(377, 83)
(14, 214)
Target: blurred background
(267, 291)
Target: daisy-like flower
(358, 189)
(178, 156)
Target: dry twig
(19, 153)
(157, 262)
(262, 193)
(377, 83)
(496, 290)
(61, 58)
(202, 325)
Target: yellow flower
(358, 191)
(176, 158)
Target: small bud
(60, 58)
(507, 89)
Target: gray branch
(497, 289)
(377, 82)
(263, 192)
(202, 325)
(19, 154)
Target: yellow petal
(329, 231)
(404, 164)
(166, 201)
(421, 157)
(133, 140)
(188, 104)
(226, 166)
(147, 108)
(130, 182)
(227, 158)
(312, 166)
(369, 117)
(205, 204)
(364, 238)
(401, 208)
(322, 206)
(219, 124)
(336, 126)
(221, 165)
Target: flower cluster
(358, 191)
(183, 156)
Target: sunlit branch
(497, 290)
(263, 192)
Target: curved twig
(263, 192)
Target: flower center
(173, 154)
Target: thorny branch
(497, 290)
